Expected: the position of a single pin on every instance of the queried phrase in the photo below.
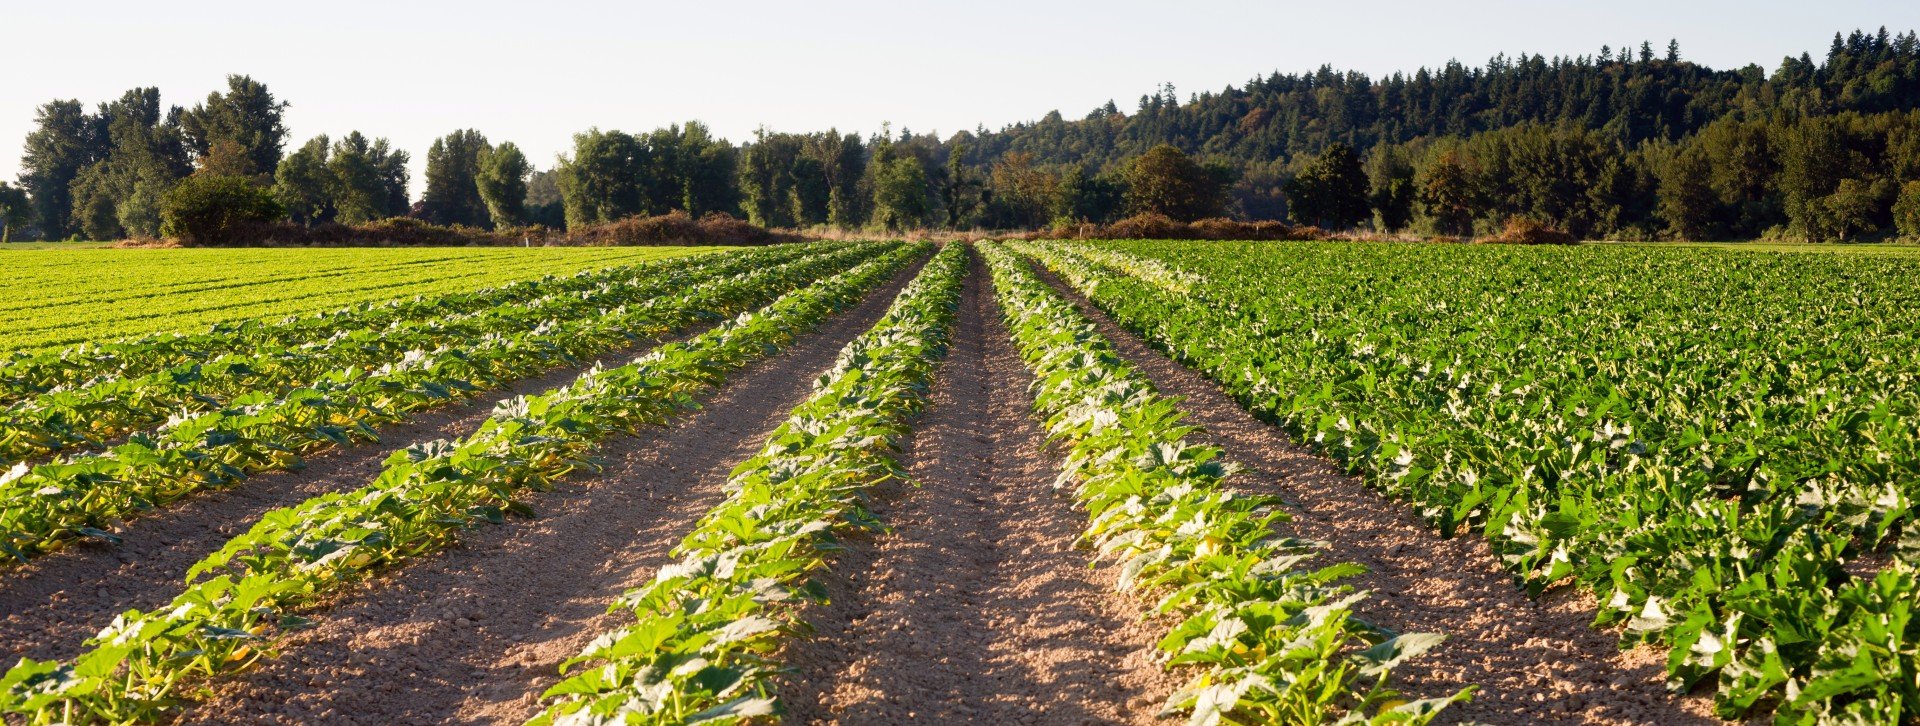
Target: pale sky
(536, 73)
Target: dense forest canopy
(1632, 142)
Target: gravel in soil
(975, 607)
(1536, 661)
(475, 634)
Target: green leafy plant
(700, 646)
(43, 507)
(1271, 641)
(94, 412)
(147, 664)
(1708, 449)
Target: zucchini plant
(1262, 637)
(699, 648)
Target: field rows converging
(141, 666)
(159, 291)
(991, 482)
(98, 410)
(1722, 461)
(264, 430)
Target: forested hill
(1631, 143)
(1631, 96)
(1634, 144)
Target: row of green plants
(46, 506)
(1719, 447)
(1263, 637)
(27, 374)
(120, 295)
(93, 415)
(1146, 269)
(700, 646)
(147, 665)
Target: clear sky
(537, 72)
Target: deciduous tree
(1167, 181)
(370, 179)
(1448, 196)
(900, 198)
(503, 184)
(62, 143)
(305, 183)
(249, 118)
(452, 195)
(1687, 200)
(601, 181)
(16, 209)
(1331, 192)
(1906, 210)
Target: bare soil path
(975, 608)
(1536, 662)
(475, 634)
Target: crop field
(52, 298)
(1001, 482)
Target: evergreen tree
(545, 204)
(1083, 198)
(809, 196)
(844, 159)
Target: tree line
(1629, 143)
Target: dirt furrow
(475, 634)
(975, 607)
(1535, 661)
(48, 606)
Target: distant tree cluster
(1625, 143)
(612, 175)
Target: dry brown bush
(1523, 231)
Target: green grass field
(17, 246)
(56, 297)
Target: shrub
(1160, 226)
(213, 209)
(1151, 225)
(1906, 210)
(1523, 231)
